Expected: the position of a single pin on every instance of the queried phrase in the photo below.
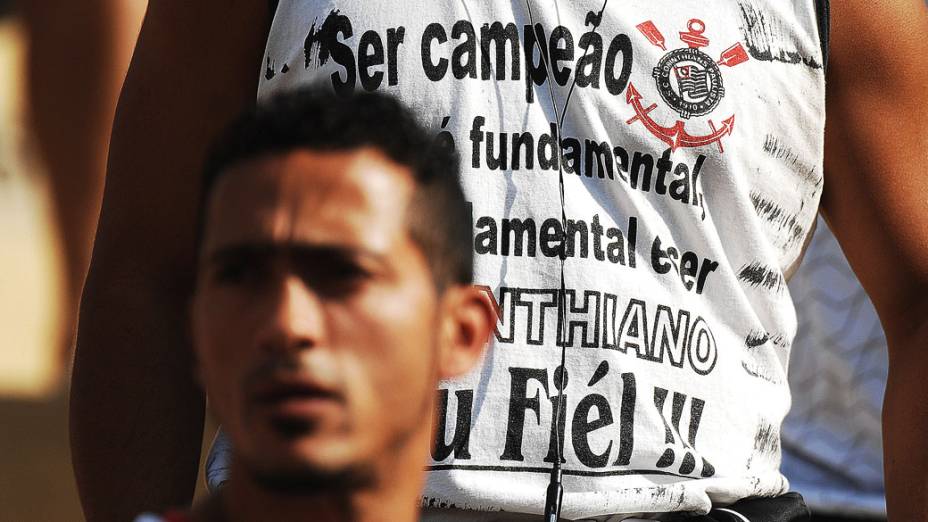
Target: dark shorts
(832, 518)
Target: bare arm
(136, 411)
(876, 201)
(78, 55)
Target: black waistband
(785, 508)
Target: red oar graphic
(733, 55)
(652, 33)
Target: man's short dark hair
(312, 119)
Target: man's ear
(467, 321)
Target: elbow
(906, 326)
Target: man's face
(315, 313)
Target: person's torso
(691, 151)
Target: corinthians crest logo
(690, 83)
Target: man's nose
(294, 320)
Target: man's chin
(306, 479)
(279, 447)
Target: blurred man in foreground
(333, 292)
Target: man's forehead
(356, 197)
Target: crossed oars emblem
(676, 135)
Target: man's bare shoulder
(878, 41)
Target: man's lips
(295, 397)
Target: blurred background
(831, 441)
(62, 63)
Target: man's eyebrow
(294, 250)
(242, 251)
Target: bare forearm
(905, 427)
(875, 204)
(136, 411)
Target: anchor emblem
(690, 83)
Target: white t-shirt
(692, 149)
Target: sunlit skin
(320, 332)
